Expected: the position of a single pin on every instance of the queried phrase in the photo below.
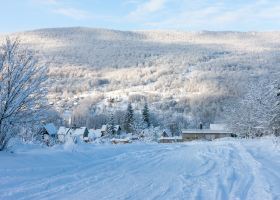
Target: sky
(186, 15)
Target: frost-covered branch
(21, 89)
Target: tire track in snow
(82, 172)
(216, 170)
(230, 177)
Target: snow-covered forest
(185, 77)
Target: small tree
(111, 126)
(129, 119)
(146, 115)
(21, 90)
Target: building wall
(201, 136)
(190, 137)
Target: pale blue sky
(189, 15)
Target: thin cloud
(73, 13)
(60, 7)
(146, 8)
(218, 16)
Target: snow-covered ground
(224, 169)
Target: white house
(75, 133)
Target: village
(52, 135)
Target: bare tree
(21, 89)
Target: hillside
(186, 75)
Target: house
(48, 132)
(62, 133)
(103, 130)
(117, 129)
(81, 133)
(214, 132)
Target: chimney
(200, 125)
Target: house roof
(171, 138)
(79, 131)
(50, 128)
(63, 130)
(117, 127)
(95, 133)
(204, 131)
(73, 131)
(217, 126)
(104, 128)
(164, 133)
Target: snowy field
(225, 169)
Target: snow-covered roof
(95, 133)
(204, 131)
(79, 131)
(117, 127)
(217, 126)
(98, 134)
(50, 128)
(73, 131)
(171, 138)
(164, 133)
(104, 128)
(63, 130)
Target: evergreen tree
(111, 126)
(146, 115)
(129, 119)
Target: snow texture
(223, 169)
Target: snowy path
(198, 170)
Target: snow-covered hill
(218, 170)
(178, 72)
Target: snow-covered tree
(146, 115)
(174, 129)
(111, 126)
(251, 115)
(129, 119)
(275, 119)
(21, 90)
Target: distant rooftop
(204, 131)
